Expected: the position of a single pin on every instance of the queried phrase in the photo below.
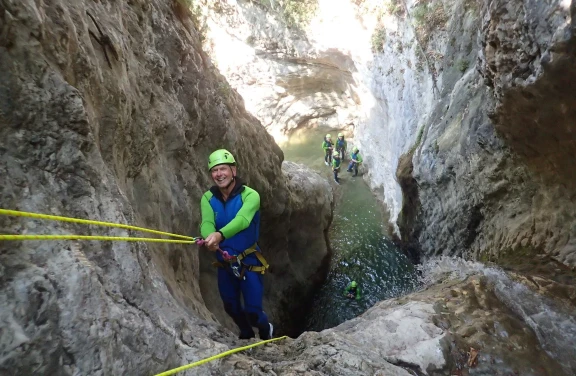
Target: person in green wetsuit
(355, 162)
(230, 226)
(336, 162)
(352, 291)
(327, 146)
(341, 146)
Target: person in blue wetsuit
(230, 225)
(341, 146)
(355, 162)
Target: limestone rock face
(108, 111)
(481, 109)
(492, 167)
(470, 319)
(287, 79)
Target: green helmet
(355, 150)
(340, 134)
(328, 135)
(221, 156)
(353, 284)
(336, 154)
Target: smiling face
(223, 175)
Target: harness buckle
(237, 269)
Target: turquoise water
(361, 249)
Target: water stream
(361, 249)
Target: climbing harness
(221, 355)
(239, 268)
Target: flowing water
(361, 250)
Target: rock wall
(470, 320)
(287, 76)
(108, 111)
(472, 116)
(475, 94)
(491, 179)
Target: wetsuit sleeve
(208, 224)
(358, 293)
(359, 158)
(324, 145)
(250, 205)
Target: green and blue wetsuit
(355, 162)
(238, 219)
(327, 146)
(336, 162)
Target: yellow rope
(16, 213)
(221, 355)
(86, 237)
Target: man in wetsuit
(356, 160)
(230, 225)
(341, 145)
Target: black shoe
(246, 335)
(267, 333)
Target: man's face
(223, 175)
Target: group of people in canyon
(335, 152)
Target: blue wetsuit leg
(229, 288)
(252, 292)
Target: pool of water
(361, 249)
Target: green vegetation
(418, 140)
(420, 59)
(378, 39)
(462, 65)
(191, 10)
(419, 13)
(428, 17)
(296, 13)
(395, 8)
(224, 89)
